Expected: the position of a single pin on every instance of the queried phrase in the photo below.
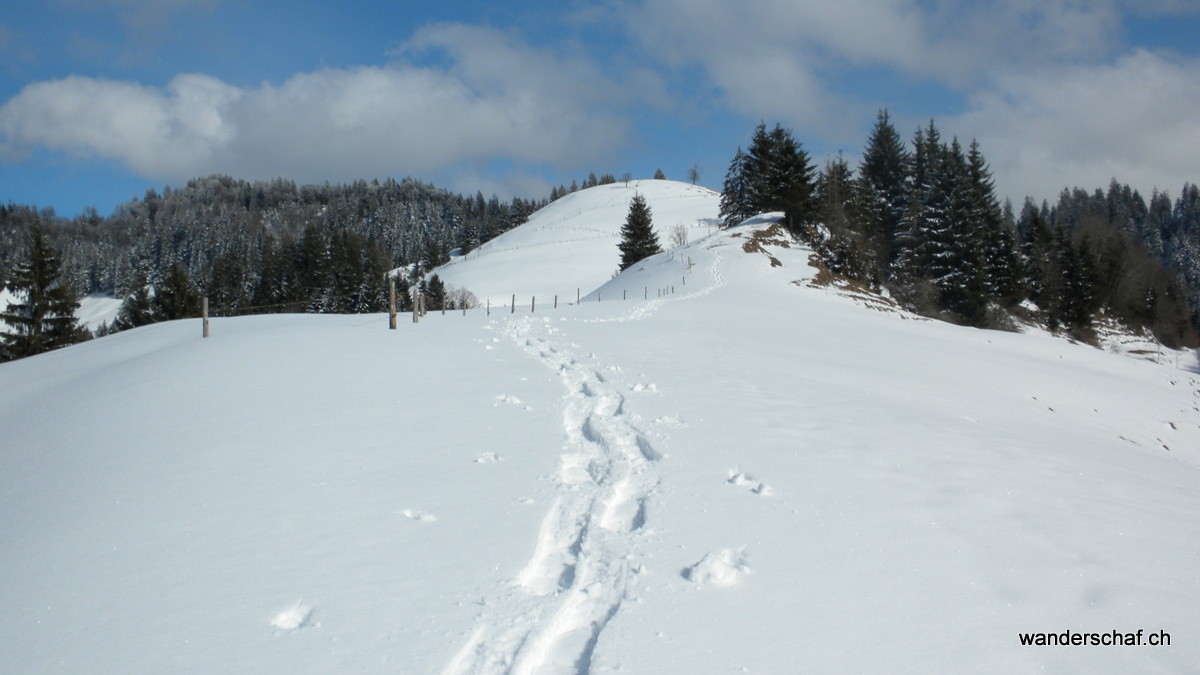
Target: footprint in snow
(292, 618)
(724, 568)
(744, 480)
(414, 514)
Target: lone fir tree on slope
(44, 316)
(638, 239)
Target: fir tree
(780, 177)
(176, 297)
(884, 169)
(137, 309)
(737, 202)
(638, 240)
(659, 175)
(43, 318)
(435, 294)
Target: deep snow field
(749, 474)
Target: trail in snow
(586, 558)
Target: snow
(569, 245)
(750, 473)
(94, 310)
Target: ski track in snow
(586, 560)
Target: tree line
(922, 221)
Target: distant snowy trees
(924, 222)
(43, 315)
(638, 240)
(261, 247)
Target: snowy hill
(94, 310)
(572, 243)
(753, 472)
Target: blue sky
(102, 99)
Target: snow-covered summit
(572, 243)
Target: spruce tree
(780, 177)
(737, 201)
(176, 297)
(884, 169)
(43, 316)
(638, 240)
(137, 309)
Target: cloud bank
(483, 96)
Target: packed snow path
(587, 555)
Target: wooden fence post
(514, 304)
(577, 296)
(204, 314)
(532, 304)
(623, 296)
(489, 307)
(391, 304)
(556, 301)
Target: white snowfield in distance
(750, 474)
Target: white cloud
(781, 58)
(489, 97)
(1133, 119)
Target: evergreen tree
(780, 177)
(638, 239)
(737, 202)
(435, 294)
(659, 175)
(43, 316)
(176, 297)
(884, 169)
(137, 309)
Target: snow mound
(724, 568)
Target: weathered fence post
(645, 292)
(556, 301)
(489, 307)
(623, 296)
(532, 304)
(514, 304)
(577, 296)
(391, 304)
(204, 315)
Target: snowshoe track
(585, 561)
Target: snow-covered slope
(750, 473)
(94, 310)
(571, 244)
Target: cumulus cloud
(484, 95)
(782, 58)
(1133, 119)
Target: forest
(922, 222)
